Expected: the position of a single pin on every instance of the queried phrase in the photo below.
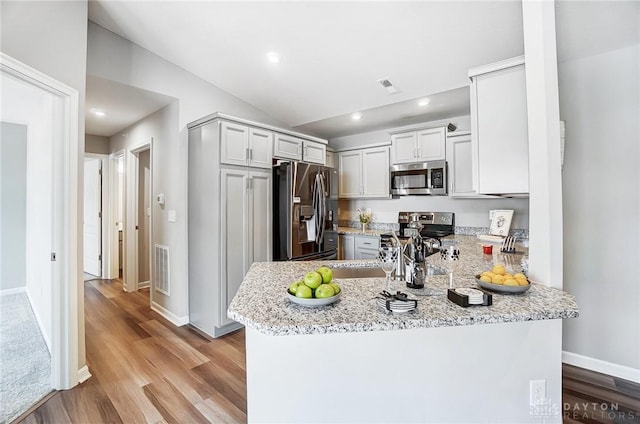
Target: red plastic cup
(487, 249)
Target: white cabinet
(461, 167)
(364, 173)
(245, 146)
(367, 247)
(296, 148)
(287, 147)
(245, 229)
(418, 146)
(313, 152)
(230, 216)
(499, 127)
(347, 247)
(331, 160)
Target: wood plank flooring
(145, 369)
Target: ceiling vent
(388, 85)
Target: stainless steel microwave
(421, 178)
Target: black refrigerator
(305, 218)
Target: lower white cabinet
(367, 247)
(354, 246)
(245, 228)
(364, 173)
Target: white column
(545, 180)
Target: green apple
(324, 290)
(326, 273)
(304, 291)
(312, 279)
(294, 286)
(336, 287)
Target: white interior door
(92, 216)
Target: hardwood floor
(145, 369)
(591, 397)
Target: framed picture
(501, 222)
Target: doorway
(52, 232)
(144, 218)
(92, 223)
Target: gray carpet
(25, 363)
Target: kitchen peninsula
(353, 362)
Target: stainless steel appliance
(305, 212)
(422, 178)
(435, 225)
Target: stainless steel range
(434, 224)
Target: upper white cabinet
(331, 160)
(499, 127)
(296, 148)
(245, 146)
(418, 146)
(364, 173)
(287, 147)
(461, 169)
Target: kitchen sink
(368, 272)
(358, 273)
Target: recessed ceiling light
(356, 116)
(423, 102)
(98, 113)
(273, 57)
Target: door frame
(106, 207)
(66, 270)
(112, 269)
(130, 275)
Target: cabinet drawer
(366, 253)
(368, 243)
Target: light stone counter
(359, 232)
(261, 302)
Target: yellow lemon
(520, 275)
(498, 269)
(485, 278)
(507, 276)
(522, 282)
(510, 282)
(498, 279)
(486, 273)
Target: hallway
(144, 369)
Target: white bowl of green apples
(317, 288)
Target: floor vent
(161, 269)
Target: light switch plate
(172, 216)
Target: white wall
(469, 212)
(51, 36)
(113, 58)
(13, 187)
(96, 144)
(599, 100)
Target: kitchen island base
(476, 373)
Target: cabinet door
(431, 144)
(461, 169)
(403, 147)
(234, 142)
(375, 172)
(260, 148)
(330, 161)
(314, 152)
(350, 174)
(260, 217)
(366, 253)
(234, 234)
(288, 147)
(499, 100)
(347, 247)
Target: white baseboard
(170, 316)
(144, 285)
(17, 290)
(83, 374)
(604, 367)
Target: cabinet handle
(368, 244)
(250, 154)
(246, 154)
(418, 152)
(306, 151)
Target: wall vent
(161, 269)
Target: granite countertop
(359, 232)
(261, 302)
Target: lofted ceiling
(333, 53)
